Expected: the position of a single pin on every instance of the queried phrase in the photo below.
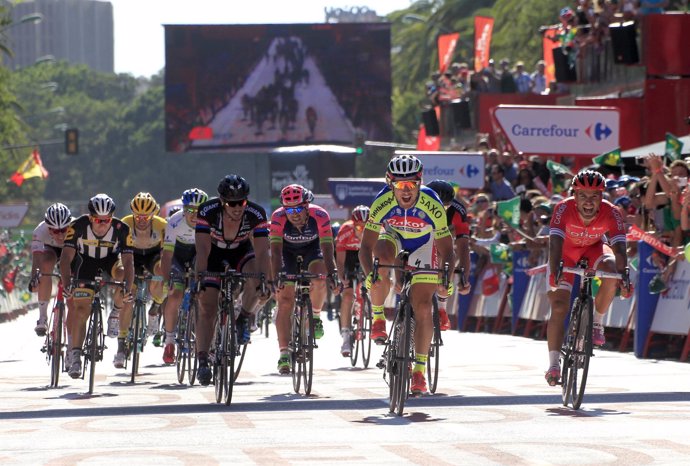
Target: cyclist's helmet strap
(589, 179)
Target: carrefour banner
(520, 282)
(464, 168)
(646, 301)
(351, 192)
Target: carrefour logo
(438, 171)
(469, 171)
(598, 131)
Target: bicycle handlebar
(591, 273)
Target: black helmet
(233, 188)
(444, 190)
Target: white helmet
(101, 204)
(404, 166)
(58, 216)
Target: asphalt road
(492, 407)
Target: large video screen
(251, 86)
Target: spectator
(525, 179)
(500, 188)
(493, 83)
(523, 81)
(538, 78)
(652, 6)
(509, 166)
(508, 85)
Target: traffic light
(359, 142)
(72, 141)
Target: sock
(345, 331)
(202, 356)
(420, 363)
(316, 313)
(284, 353)
(598, 318)
(122, 335)
(43, 310)
(553, 358)
(169, 338)
(378, 312)
(442, 303)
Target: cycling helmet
(233, 188)
(566, 13)
(588, 179)
(404, 166)
(194, 197)
(360, 213)
(101, 204)
(58, 216)
(144, 204)
(292, 195)
(308, 196)
(444, 190)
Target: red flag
(201, 132)
(446, 48)
(8, 280)
(425, 142)
(32, 167)
(548, 45)
(483, 28)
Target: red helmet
(360, 213)
(292, 195)
(588, 179)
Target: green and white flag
(510, 211)
(612, 159)
(500, 253)
(557, 168)
(674, 147)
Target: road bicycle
(136, 337)
(398, 353)
(94, 343)
(185, 356)
(360, 322)
(433, 361)
(577, 348)
(302, 340)
(54, 345)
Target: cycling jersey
(179, 238)
(317, 230)
(457, 218)
(42, 240)
(210, 221)
(413, 226)
(567, 223)
(347, 238)
(146, 243)
(81, 237)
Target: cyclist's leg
(350, 265)
(317, 293)
(46, 260)
(155, 287)
(117, 272)
(421, 295)
(602, 258)
(559, 298)
(115, 319)
(79, 308)
(385, 250)
(250, 298)
(285, 298)
(172, 304)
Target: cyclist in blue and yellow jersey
(146, 233)
(413, 220)
(178, 255)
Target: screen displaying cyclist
(583, 226)
(95, 242)
(46, 247)
(413, 220)
(178, 256)
(233, 230)
(347, 243)
(300, 229)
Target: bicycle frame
(55, 340)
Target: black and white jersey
(81, 237)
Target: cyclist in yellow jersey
(414, 220)
(146, 235)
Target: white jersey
(179, 237)
(42, 238)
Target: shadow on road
(294, 402)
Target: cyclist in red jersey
(583, 226)
(346, 257)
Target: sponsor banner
(446, 48)
(549, 42)
(11, 215)
(646, 301)
(549, 130)
(425, 142)
(672, 314)
(638, 234)
(351, 192)
(464, 168)
(520, 283)
(537, 270)
(464, 301)
(483, 27)
(309, 170)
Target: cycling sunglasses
(295, 210)
(101, 221)
(57, 231)
(143, 217)
(407, 184)
(242, 203)
(191, 210)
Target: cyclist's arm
(166, 263)
(366, 250)
(621, 254)
(340, 263)
(66, 258)
(328, 255)
(555, 252)
(462, 254)
(263, 256)
(203, 249)
(276, 258)
(128, 265)
(444, 245)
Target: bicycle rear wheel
(240, 351)
(296, 356)
(182, 349)
(355, 326)
(218, 367)
(308, 347)
(365, 331)
(583, 352)
(190, 341)
(432, 363)
(54, 340)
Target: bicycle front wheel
(182, 348)
(219, 369)
(582, 354)
(229, 354)
(401, 364)
(308, 347)
(296, 353)
(54, 342)
(355, 326)
(95, 335)
(137, 338)
(190, 341)
(432, 363)
(365, 331)
(240, 351)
